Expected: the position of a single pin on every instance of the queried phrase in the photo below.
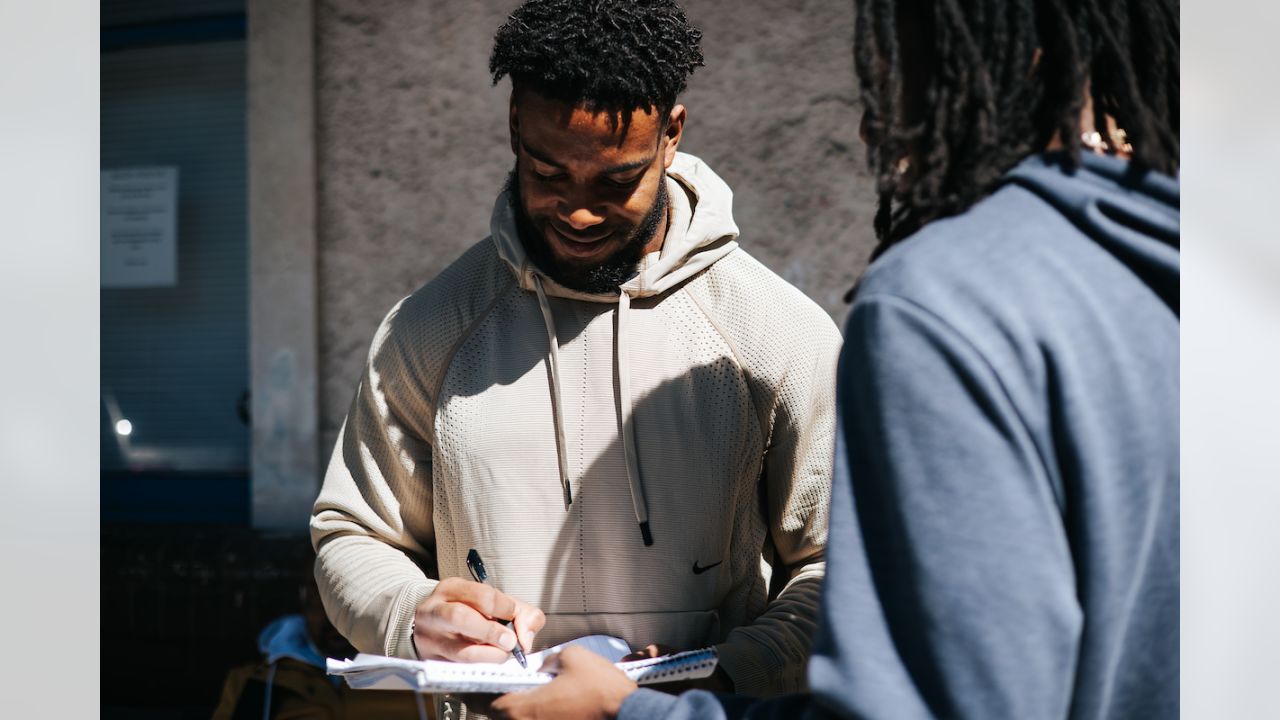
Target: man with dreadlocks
(625, 414)
(1004, 520)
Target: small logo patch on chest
(699, 570)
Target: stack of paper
(438, 676)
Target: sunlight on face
(589, 182)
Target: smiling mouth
(580, 247)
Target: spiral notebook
(438, 676)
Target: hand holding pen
(481, 575)
(468, 621)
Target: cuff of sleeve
(644, 704)
(400, 624)
(748, 666)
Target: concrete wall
(412, 149)
(282, 263)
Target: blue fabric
(700, 704)
(286, 636)
(1004, 521)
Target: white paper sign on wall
(140, 227)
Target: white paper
(435, 676)
(610, 648)
(139, 227)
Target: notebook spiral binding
(690, 665)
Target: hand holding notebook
(435, 676)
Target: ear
(671, 137)
(513, 125)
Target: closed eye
(624, 183)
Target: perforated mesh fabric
(372, 523)
(788, 350)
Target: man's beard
(602, 277)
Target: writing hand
(458, 621)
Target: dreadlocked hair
(1001, 79)
(607, 55)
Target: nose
(578, 212)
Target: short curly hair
(606, 55)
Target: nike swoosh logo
(699, 570)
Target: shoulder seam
(766, 430)
(453, 351)
(917, 307)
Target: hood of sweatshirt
(1132, 215)
(700, 232)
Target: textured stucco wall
(412, 149)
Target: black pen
(476, 566)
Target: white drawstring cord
(553, 359)
(634, 481)
(623, 354)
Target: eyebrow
(614, 170)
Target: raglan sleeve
(371, 525)
(768, 656)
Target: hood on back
(1131, 214)
(701, 232)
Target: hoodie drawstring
(557, 408)
(623, 354)
(634, 482)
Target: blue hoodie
(1004, 520)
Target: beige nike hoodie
(648, 465)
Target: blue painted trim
(187, 31)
